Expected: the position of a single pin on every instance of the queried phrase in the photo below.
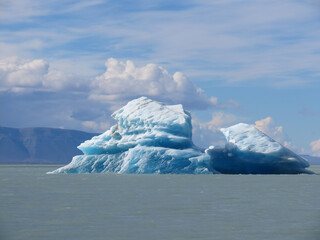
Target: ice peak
(248, 138)
(145, 114)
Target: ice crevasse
(151, 137)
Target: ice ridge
(250, 151)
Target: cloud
(267, 42)
(123, 81)
(221, 119)
(206, 134)
(49, 97)
(18, 74)
(15, 72)
(268, 126)
(315, 147)
(71, 110)
(24, 10)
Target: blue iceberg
(250, 151)
(151, 137)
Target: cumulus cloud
(208, 133)
(21, 74)
(221, 119)
(123, 81)
(268, 126)
(315, 147)
(15, 72)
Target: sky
(70, 64)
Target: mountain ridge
(313, 160)
(36, 145)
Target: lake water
(35, 205)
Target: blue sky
(71, 63)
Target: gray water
(35, 205)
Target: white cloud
(268, 126)
(58, 97)
(207, 133)
(270, 42)
(315, 147)
(15, 72)
(221, 119)
(123, 81)
(24, 10)
(21, 74)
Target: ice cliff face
(149, 137)
(249, 151)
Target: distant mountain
(311, 159)
(40, 145)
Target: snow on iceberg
(149, 137)
(249, 151)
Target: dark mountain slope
(40, 145)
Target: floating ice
(149, 137)
(249, 151)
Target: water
(34, 205)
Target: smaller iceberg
(249, 151)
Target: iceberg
(149, 137)
(250, 151)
